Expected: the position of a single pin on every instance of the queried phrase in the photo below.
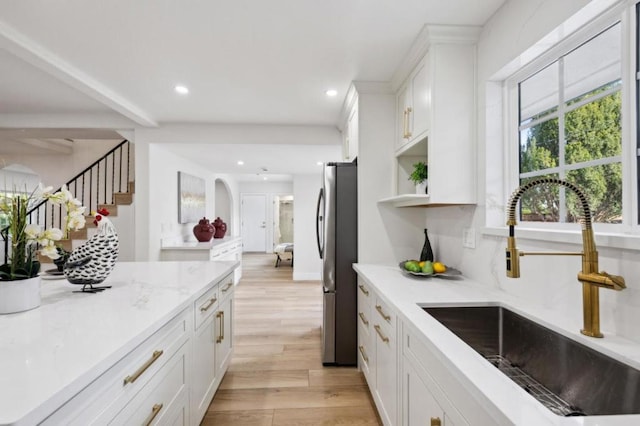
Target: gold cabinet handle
(227, 287)
(143, 368)
(154, 412)
(404, 123)
(220, 316)
(382, 336)
(363, 318)
(385, 316)
(435, 421)
(364, 355)
(364, 289)
(206, 307)
(408, 132)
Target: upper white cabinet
(350, 118)
(413, 102)
(436, 120)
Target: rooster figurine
(94, 260)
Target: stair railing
(94, 186)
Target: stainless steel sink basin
(567, 377)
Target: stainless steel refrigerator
(337, 235)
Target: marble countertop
(49, 354)
(196, 245)
(500, 396)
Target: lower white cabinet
(378, 351)
(212, 345)
(418, 404)
(171, 377)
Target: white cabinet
(413, 102)
(212, 347)
(419, 406)
(378, 358)
(436, 121)
(227, 248)
(350, 126)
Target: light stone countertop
(497, 393)
(49, 354)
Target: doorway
(282, 219)
(253, 210)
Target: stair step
(65, 244)
(123, 198)
(113, 208)
(132, 187)
(80, 234)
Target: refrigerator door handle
(319, 220)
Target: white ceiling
(244, 61)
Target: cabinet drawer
(381, 313)
(206, 305)
(366, 355)
(225, 287)
(364, 291)
(106, 396)
(156, 400)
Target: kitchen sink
(570, 379)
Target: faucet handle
(602, 279)
(618, 281)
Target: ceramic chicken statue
(94, 260)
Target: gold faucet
(590, 278)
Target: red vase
(221, 228)
(204, 230)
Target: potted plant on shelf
(419, 176)
(19, 280)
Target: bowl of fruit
(427, 268)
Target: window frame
(626, 14)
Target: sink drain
(547, 398)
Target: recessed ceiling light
(264, 178)
(319, 163)
(240, 162)
(331, 92)
(183, 90)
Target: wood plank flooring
(276, 377)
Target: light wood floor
(276, 376)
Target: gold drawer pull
(435, 421)
(208, 305)
(382, 336)
(227, 287)
(143, 368)
(154, 412)
(364, 289)
(363, 318)
(385, 316)
(364, 355)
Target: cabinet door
(386, 372)
(421, 101)
(204, 367)
(419, 406)
(403, 107)
(352, 134)
(224, 333)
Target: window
(569, 125)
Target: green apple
(427, 268)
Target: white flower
(32, 231)
(50, 250)
(76, 222)
(53, 234)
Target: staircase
(104, 184)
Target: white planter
(421, 188)
(19, 295)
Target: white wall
(307, 264)
(157, 180)
(548, 281)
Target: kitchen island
(417, 369)
(83, 357)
